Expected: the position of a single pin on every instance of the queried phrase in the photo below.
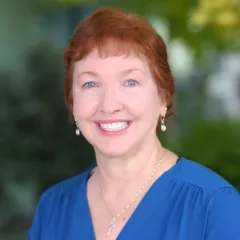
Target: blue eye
(89, 85)
(131, 83)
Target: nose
(110, 101)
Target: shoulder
(220, 200)
(65, 191)
(200, 176)
(223, 215)
(53, 203)
(66, 187)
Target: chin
(114, 150)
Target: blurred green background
(38, 146)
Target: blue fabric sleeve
(223, 215)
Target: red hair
(113, 33)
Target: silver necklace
(142, 189)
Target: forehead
(111, 64)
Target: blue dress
(188, 202)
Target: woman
(119, 88)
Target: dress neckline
(130, 228)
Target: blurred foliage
(69, 3)
(203, 24)
(222, 15)
(214, 144)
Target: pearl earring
(77, 131)
(163, 126)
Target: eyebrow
(90, 73)
(127, 71)
(95, 74)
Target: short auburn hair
(114, 33)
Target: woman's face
(115, 102)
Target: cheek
(144, 104)
(84, 107)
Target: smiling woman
(118, 90)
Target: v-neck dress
(188, 202)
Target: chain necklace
(144, 187)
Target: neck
(128, 171)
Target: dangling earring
(77, 131)
(163, 126)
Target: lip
(113, 133)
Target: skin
(113, 89)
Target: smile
(116, 126)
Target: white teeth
(114, 126)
